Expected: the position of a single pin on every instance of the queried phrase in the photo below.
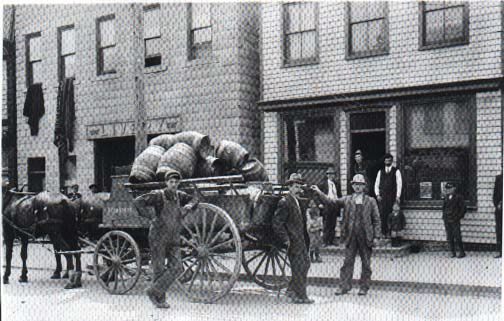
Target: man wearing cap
(360, 226)
(164, 234)
(454, 210)
(332, 189)
(388, 186)
(289, 226)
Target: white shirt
(398, 181)
(332, 192)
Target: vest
(388, 184)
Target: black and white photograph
(252, 160)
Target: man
(388, 186)
(289, 226)
(74, 194)
(497, 200)
(93, 188)
(164, 234)
(360, 227)
(453, 211)
(332, 189)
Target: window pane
(377, 35)
(153, 47)
(107, 33)
(69, 66)
(376, 10)
(202, 35)
(359, 37)
(67, 41)
(311, 139)
(37, 72)
(309, 44)
(358, 11)
(152, 23)
(201, 15)
(109, 59)
(293, 47)
(293, 18)
(433, 27)
(35, 48)
(308, 16)
(454, 23)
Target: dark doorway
(111, 153)
(367, 133)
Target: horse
(46, 213)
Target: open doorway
(111, 153)
(368, 133)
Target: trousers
(498, 229)
(300, 264)
(385, 207)
(357, 243)
(454, 236)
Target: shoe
(461, 255)
(158, 303)
(362, 291)
(303, 301)
(341, 292)
(499, 255)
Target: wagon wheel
(211, 254)
(117, 262)
(268, 265)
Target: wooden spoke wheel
(268, 265)
(211, 254)
(117, 262)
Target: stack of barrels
(191, 154)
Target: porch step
(384, 248)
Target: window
(152, 35)
(66, 52)
(439, 147)
(201, 30)
(367, 29)
(300, 33)
(106, 45)
(36, 174)
(34, 59)
(443, 24)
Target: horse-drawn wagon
(230, 228)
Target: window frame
(349, 55)
(204, 45)
(61, 57)
(445, 44)
(99, 49)
(152, 7)
(29, 62)
(303, 61)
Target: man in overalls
(164, 234)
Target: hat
(295, 178)
(449, 185)
(359, 179)
(330, 170)
(358, 152)
(93, 185)
(172, 174)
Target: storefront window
(439, 148)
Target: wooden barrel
(198, 141)
(166, 141)
(181, 157)
(233, 153)
(210, 166)
(145, 165)
(254, 171)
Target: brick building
(422, 81)
(139, 70)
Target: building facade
(138, 70)
(422, 81)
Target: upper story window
(367, 29)
(443, 24)
(34, 59)
(152, 35)
(66, 52)
(106, 39)
(300, 33)
(201, 30)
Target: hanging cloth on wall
(65, 118)
(34, 107)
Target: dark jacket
(454, 209)
(289, 223)
(497, 194)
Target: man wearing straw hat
(289, 226)
(361, 224)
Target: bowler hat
(359, 179)
(295, 178)
(172, 174)
(358, 152)
(330, 170)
